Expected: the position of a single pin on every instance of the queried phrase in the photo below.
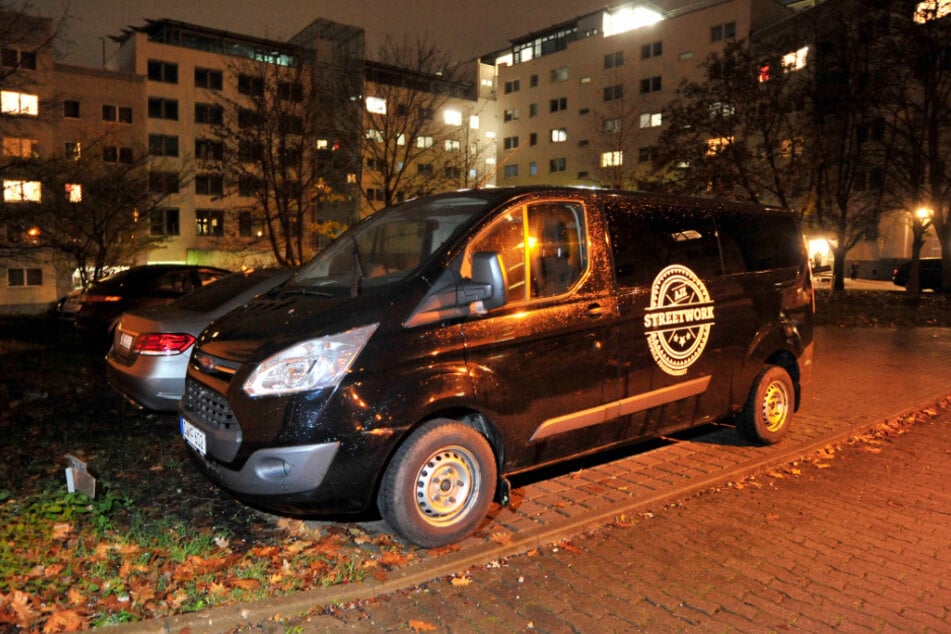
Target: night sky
(463, 28)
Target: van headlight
(308, 365)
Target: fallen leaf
(64, 621)
(460, 581)
(246, 584)
(62, 530)
(421, 626)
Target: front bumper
(275, 470)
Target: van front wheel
(439, 485)
(766, 416)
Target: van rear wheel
(765, 418)
(439, 484)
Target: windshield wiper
(283, 291)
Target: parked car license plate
(193, 436)
(125, 341)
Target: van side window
(506, 237)
(645, 241)
(556, 240)
(772, 242)
(557, 248)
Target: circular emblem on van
(678, 321)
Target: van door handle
(594, 311)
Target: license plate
(125, 341)
(194, 437)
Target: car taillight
(94, 299)
(164, 343)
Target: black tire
(439, 485)
(765, 418)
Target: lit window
(651, 120)
(401, 139)
(932, 10)
(376, 105)
(796, 60)
(474, 122)
(452, 117)
(559, 135)
(74, 192)
(23, 148)
(452, 146)
(12, 102)
(716, 146)
(374, 135)
(612, 159)
(424, 141)
(15, 191)
(323, 144)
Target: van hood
(276, 321)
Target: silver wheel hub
(775, 406)
(446, 484)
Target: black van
(449, 341)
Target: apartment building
(50, 112)
(581, 102)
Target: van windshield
(390, 245)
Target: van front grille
(208, 406)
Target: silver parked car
(151, 346)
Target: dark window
(209, 113)
(248, 119)
(163, 108)
(723, 32)
(612, 60)
(650, 84)
(208, 78)
(652, 50)
(249, 151)
(25, 277)
(613, 92)
(71, 109)
(209, 184)
(248, 185)
(164, 183)
(117, 114)
(250, 85)
(560, 103)
(163, 145)
(512, 86)
(292, 124)
(166, 72)
(164, 222)
(557, 165)
(114, 154)
(510, 142)
(244, 224)
(209, 150)
(290, 91)
(13, 58)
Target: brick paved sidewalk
(861, 376)
(854, 540)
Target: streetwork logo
(678, 321)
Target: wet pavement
(862, 378)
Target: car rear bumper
(152, 382)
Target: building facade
(581, 103)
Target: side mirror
(488, 282)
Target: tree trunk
(838, 269)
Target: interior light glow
(628, 18)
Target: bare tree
(266, 136)
(916, 110)
(616, 126)
(95, 213)
(740, 132)
(407, 147)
